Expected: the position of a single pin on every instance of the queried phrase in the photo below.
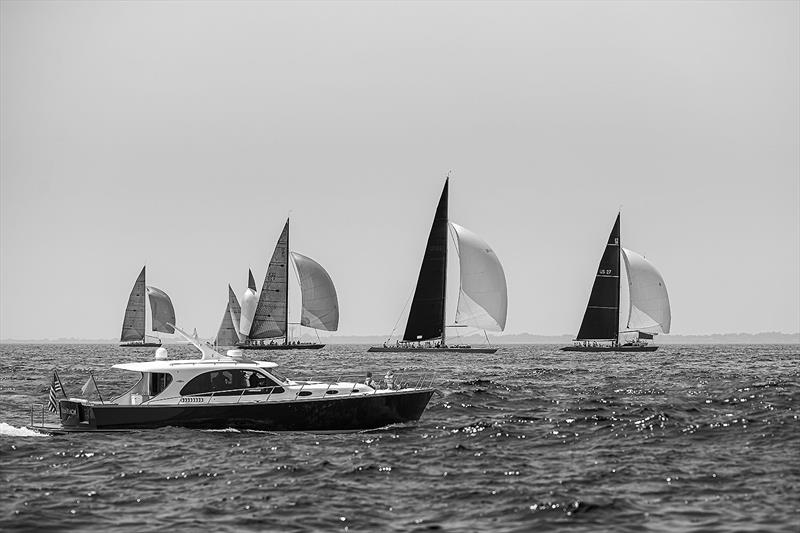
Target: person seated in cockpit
(218, 382)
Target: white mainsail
(320, 304)
(648, 309)
(483, 294)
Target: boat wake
(12, 431)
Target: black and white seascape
(689, 438)
(400, 266)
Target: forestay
(320, 304)
(163, 312)
(483, 294)
(649, 303)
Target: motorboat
(219, 391)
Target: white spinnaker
(320, 304)
(483, 294)
(649, 302)
(249, 304)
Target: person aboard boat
(389, 380)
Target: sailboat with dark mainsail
(628, 304)
(134, 323)
(269, 326)
(482, 298)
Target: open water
(689, 438)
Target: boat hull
(403, 349)
(609, 348)
(342, 414)
(135, 344)
(303, 346)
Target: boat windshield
(278, 374)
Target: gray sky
(180, 135)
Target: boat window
(278, 375)
(229, 382)
(158, 382)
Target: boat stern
(76, 414)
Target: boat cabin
(192, 381)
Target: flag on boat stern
(55, 386)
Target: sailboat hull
(140, 344)
(609, 348)
(451, 349)
(301, 346)
(341, 414)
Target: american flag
(55, 386)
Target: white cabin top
(194, 364)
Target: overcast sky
(182, 134)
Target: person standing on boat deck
(389, 380)
(369, 382)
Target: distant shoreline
(522, 338)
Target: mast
(620, 266)
(444, 270)
(286, 316)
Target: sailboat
(133, 325)
(628, 305)
(269, 328)
(482, 298)
(238, 317)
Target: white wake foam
(13, 431)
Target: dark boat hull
(403, 349)
(303, 346)
(135, 344)
(609, 348)
(342, 414)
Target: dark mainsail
(227, 334)
(426, 317)
(270, 319)
(601, 320)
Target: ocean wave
(7, 430)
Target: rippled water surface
(689, 438)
